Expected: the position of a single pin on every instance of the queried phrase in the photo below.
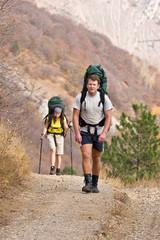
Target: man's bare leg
(96, 158)
(86, 164)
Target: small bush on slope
(14, 160)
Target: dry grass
(14, 160)
(153, 183)
(116, 182)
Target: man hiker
(55, 135)
(94, 119)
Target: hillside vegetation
(43, 55)
(15, 167)
(130, 25)
(47, 46)
(43, 51)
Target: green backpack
(96, 70)
(52, 103)
(55, 102)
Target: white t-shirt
(90, 112)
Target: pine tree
(135, 153)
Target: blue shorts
(96, 145)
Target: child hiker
(56, 128)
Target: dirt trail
(54, 207)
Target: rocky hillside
(52, 50)
(131, 25)
(47, 55)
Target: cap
(57, 110)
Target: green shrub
(135, 154)
(15, 48)
(69, 171)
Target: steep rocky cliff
(130, 25)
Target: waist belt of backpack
(83, 124)
(62, 133)
(89, 133)
(55, 140)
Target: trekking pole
(71, 150)
(40, 156)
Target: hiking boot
(94, 184)
(52, 170)
(58, 171)
(88, 183)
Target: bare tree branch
(2, 6)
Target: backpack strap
(102, 98)
(89, 133)
(83, 95)
(83, 123)
(55, 140)
(49, 119)
(101, 124)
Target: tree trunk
(138, 169)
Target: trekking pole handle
(70, 124)
(42, 136)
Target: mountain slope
(128, 24)
(55, 47)
(50, 54)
